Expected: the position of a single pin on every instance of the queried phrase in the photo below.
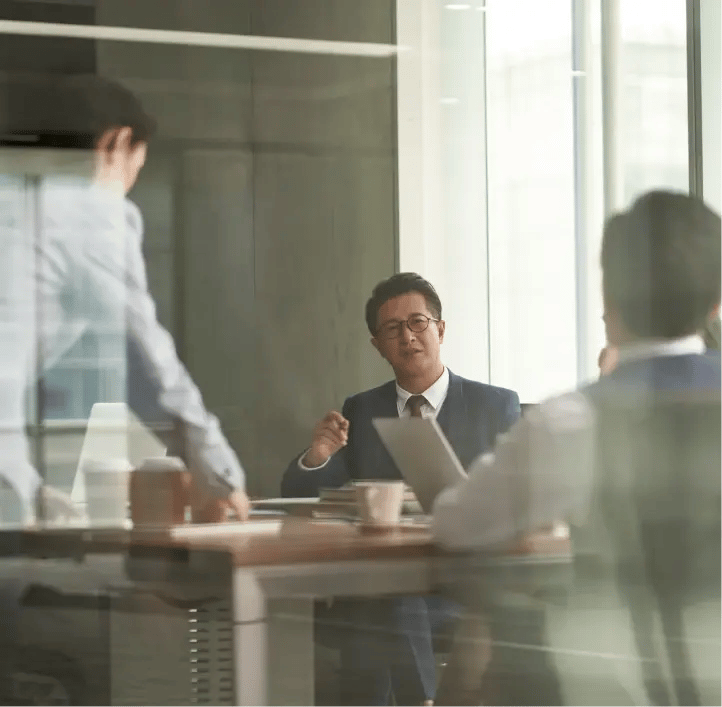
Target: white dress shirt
(84, 269)
(540, 471)
(435, 395)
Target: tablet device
(423, 455)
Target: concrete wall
(269, 201)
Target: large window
(511, 174)
(531, 196)
(710, 49)
(654, 110)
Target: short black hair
(397, 285)
(79, 108)
(102, 104)
(661, 264)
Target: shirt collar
(662, 347)
(435, 394)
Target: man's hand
(239, 504)
(117, 160)
(216, 510)
(329, 435)
(56, 506)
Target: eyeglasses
(416, 323)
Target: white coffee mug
(379, 502)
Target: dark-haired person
(86, 272)
(404, 318)
(632, 460)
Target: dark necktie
(414, 404)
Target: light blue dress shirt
(71, 260)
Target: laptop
(423, 455)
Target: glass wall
(462, 158)
(306, 150)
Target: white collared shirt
(545, 462)
(435, 395)
(693, 344)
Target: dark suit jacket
(471, 417)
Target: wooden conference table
(270, 571)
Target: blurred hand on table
(215, 510)
(57, 507)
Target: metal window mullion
(613, 182)
(694, 99)
(485, 93)
(34, 220)
(582, 107)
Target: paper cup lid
(90, 466)
(162, 464)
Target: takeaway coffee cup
(158, 494)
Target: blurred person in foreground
(632, 461)
(87, 271)
(389, 647)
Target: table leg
(273, 645)
(462, 678)
(250, 639)
(291, 651)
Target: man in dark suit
(404, 318)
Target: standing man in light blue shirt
(78, 266)
(87, 269)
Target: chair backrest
(658, 489)
(658, 497)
